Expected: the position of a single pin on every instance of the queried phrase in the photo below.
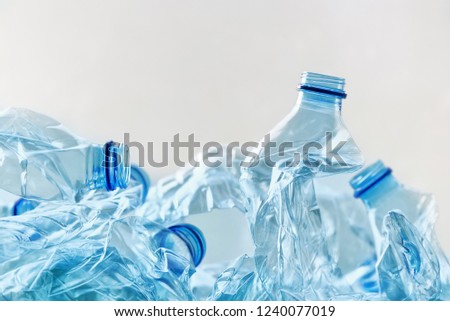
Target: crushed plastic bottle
(291, 254)
(408, 267)
(309, 135)
(41, 159)
(135, 260)
(381, 193)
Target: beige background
(227, 70)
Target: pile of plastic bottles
(79, 223)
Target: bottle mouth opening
(117, 166)
(194, 239)
(322, 84)
(369, 177)
(23, 205)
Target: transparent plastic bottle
(41, 159)
(305, 138)
(291, 255)
(135, 260)
(381, 193)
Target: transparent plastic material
(196, 190)
(140, 176)
(306, 139)
(350, 240)
(291, 255)
(7, 201)
(239, 282)
(202, 282)
(139, 183)
(78, 223)
(131, 261)
(41, 159)
(136, 259)
(51, 224)
(381, 193)
(24, 205)
(408, 267)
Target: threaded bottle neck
(322, 89)
(116, 165)
(194, 239)
(369, 178)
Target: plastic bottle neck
(373, 183)
(330, 103)
(180, 243)
(321, 90)
(194, 240)
(107, 167)
(377, 192)
(116, 165)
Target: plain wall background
(227, 70)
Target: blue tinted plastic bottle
(304, 139)
(381, 192)
(291, 254)
(43, 160)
